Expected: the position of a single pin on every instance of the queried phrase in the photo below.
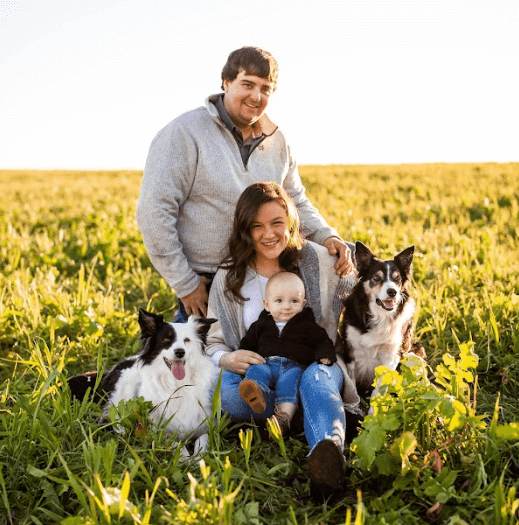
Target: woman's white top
(254, 291)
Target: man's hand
(336, 246)
(196, 303)
(240, 360)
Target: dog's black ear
(363, 257)
(404, 259)
(149, 322)
(203, 326)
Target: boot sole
(253, 395)
(326, 466)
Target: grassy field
(74, 271)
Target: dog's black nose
(391, 292)
(180, 353)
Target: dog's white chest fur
(172, 372)
(380, 345)
(183, 405)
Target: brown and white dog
(378, 316)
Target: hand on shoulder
(344, 265)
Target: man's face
(246, 98)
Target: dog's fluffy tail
(79, 386)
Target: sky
(88, 84)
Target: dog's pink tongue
(178, 370)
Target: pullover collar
(262, 126)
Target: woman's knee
(321, 379)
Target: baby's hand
(325, 361)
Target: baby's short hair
(284, 277)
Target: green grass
(74, 271)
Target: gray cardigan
(192, 180)
(324, 290)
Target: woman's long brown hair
(241, 246)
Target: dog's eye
(376, 279)
(187, 340)
(167, 340)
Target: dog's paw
(201, 444)
(184, 454)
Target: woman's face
(269, 231)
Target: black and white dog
(377, 316)
(171, 371)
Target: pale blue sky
(87, 84)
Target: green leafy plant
(424, 432)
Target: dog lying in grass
(171, 371)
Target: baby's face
(284, 300)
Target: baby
(288, 337)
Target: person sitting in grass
(266, 239)
(289, 339)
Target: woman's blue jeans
(319, 391)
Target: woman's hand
(240, 360)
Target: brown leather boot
(326, 468)
(283, 420)
(253, 395)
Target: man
(198, 166)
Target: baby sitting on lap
(288, 337)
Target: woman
(266, 239)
